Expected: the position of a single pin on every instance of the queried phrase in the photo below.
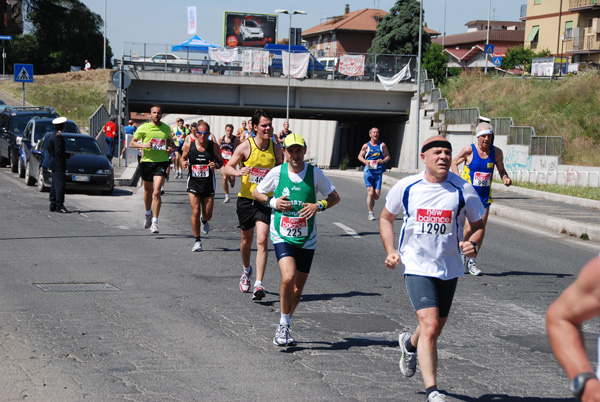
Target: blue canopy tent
(196, 44)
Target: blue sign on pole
(497, 61)
(23, 72)
(5, 37)
(489, 49)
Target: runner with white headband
(480, 159)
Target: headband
(436, 144)
(484, 132)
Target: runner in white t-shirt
(434, 205)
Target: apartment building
(567, 28)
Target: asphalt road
(169, 324)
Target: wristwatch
(578, 384)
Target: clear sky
(165, 22)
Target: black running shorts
(425, 291)
(303, 256)
(150, 169)
(249, 211)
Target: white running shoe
(148, 222)
(197, 245)
(371, 216)
(154, 227)
(259, 293)
(245, 281)
(283, 336)
(226, 200)
(408, 361)
(436, 396)
(205, 228)
(473, 270)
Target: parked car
(13, 120)
(330, 63)
(35, 130)
(315, 69)
(87, 169)
(157, 62)
(250, 29)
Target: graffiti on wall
(516, 160)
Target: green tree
(435, 62)
(63, 33)
(398, 32)
(520, 57)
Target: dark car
(87, 169)
(13, 120)
(36, 129)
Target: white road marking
(348, 230)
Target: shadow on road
(525, 273)
(331, 296)
(346, 344)
(507, 398)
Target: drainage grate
(76, 287)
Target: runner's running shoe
(473, 270)
(205, 228)
(154, 227)
(283, 336)
(226, 200)
(371, 216)
(197, 245)
(259, 293)
(148, 222)
(245, 281)
(408, 361)
(436, 396)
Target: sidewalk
(557, 213)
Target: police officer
(58, 166)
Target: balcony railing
(582, 3)
(588, 41)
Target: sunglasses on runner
(203, 132)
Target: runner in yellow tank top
(258, 155)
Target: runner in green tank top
(293, 229)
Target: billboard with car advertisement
(250, 30)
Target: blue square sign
(497, 61)
(489, 49)
(23, 72)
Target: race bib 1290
(433, 221)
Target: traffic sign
(489, 49)
(497, 61)
(23, 72)
(5, 37)
(119, 76)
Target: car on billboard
(249, 29)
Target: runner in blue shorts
(374, 155)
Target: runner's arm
(311, 209)
(500, 166)
(578, 303)
(185, 150)
(477, 232)
(462, 157)
(218, 164)
(386, 153)
(240, 154)
(386, 230)
(137, 143)
(362, 153)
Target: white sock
(257, 283)
(471, 259)
(247, 270)
(149, 212)
(285, 319)
(154, 220)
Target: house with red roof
(351, 32)
(467, 50)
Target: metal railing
(521, 135)
(567, 178)
(551, 146)
(582, 3)
(461, 115)
(139, 56)
(436, 94)
(501, 125)
(98, 120)
(442, 104)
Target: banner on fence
(352, 65)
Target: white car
(174, 63)
(250, 29)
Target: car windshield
(85, 145)
(251, 24)
(19, 122)
(43, 128)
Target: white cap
(59, 120)
(485, 119)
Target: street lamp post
(104, 54)
(280, 11)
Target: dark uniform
(201, 179)
(58, 165)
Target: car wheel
(14, 162)
(30, 181)
(40, 182)
(177, 69)
(139, 68)
(3, 161)
(21, 169)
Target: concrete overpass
(354, 105)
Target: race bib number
(226, 154)
(257, 174)
(372, 164)
(433, 221)
(158, 144)
(200, 171)
(293, 226)
(481, 179)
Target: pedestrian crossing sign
(23, 72)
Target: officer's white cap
(59, 120)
